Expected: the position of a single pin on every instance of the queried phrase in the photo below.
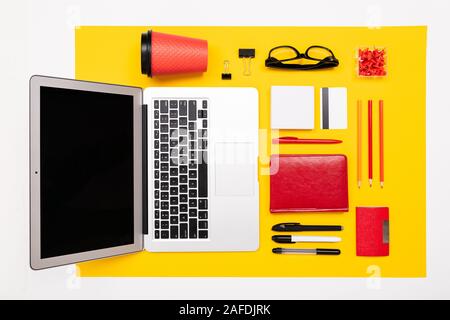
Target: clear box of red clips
(371, 62)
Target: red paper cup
(170, 54)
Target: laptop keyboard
(180, 169)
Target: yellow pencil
(359, 142)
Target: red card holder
(372, 231)
(308, 183)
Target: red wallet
(372, 231)
(308, 183)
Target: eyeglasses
(284, 57)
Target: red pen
(295, 140)
(370, 143)
(381, 144)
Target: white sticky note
(292, 107)
(333, 108)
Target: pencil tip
(370, 182)
(382, 184)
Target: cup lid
(146, 53)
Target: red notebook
(372, 231)
(308, 183)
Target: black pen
(294, 226)
(323, 252)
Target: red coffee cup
(163, 54)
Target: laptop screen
(86, 171)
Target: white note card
(292, 107)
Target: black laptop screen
(86, 171)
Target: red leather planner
(308, 183)
(372, 231)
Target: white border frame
(36, 262)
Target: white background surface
(37, 37)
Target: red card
(308, 183)
(372, 231)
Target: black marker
(294, 226)
(323, 252)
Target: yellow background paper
(112, 55)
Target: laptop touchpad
(235, 167)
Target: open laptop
(117, 169)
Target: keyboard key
(164, 157)
(156, 224)
(165, 234)
(183, 207)
(192, 125)
(173, 181)
(192, 110)
(174, 232)
(164, 215)
(164, 147)
(156, 104)
(183, 121)
(173, 201)
(164, 128)
(173, 104)
(156, 164)
(164, 166)
(192, 155)
(183, 131)
(156, 184)
(192, 165)
(202, 114)
(183, 169)
(203, 224)
(156, 234)
(164, 186)
(193, 193)
(192, 174)
(174, 133)
(203, 204)
(164, 138)
(157, 154)
(156, 134)
(183, 160)
(205, 104)
(156, 144)
(193, 145)
(156, 214)
(173, 191)
(174, 113)
(174, 152)
(192, 135)
(183, 198)
(203, 215)
(183, 141)
(164, 196)
(173, 143)
(192, 228)
(183, 230)
(183, 150)
(205, 123)
(203, 176)
(183, 107)
(183, 188)
(173, 162)
(174, 171)
(203, 234)
(156, 124)
(174, 123)
(202, 133)
(164, 106)
(164, 118)
(202, 144)
(193, 203)
(156, 204)
(164, 205)
(156, 174)
(192, 184)
(192, 213)
(164, 224)
(183, 217)
(183, 178)
(174, 220)
(164, 176)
